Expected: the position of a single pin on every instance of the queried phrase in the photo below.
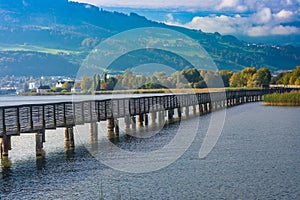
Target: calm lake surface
(256, 157)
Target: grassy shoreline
(141, 91)
(283, 99)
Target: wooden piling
(110, 125)
(38, 143)
(187, 111)
(179, 112)
(117, 128)
(205, 108)
(71, 136)
(161, 117)
(209, 107)
(153, 117)
(141, 120)
(194, 110)
(4, 146)
(170, 115)
(201, 109)
(8, 138)
(43, 135)
(146, 118)
(133, 122)
(67, 137)
(93, 131)
(127, 123)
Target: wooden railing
(35, 118)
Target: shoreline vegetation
(188, 80)
(283, 99)
(139, 91)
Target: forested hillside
(54, 36)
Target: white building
(32, 86)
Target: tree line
(189, 78)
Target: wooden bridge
(37, 118)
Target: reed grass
(283, 99)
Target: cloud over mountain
(238, 17)
(263, 22)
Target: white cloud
(223, 24)
(253, 17)
(284, 14)
(261, 23)
(258, 31)
(262, 16)
(241, 8)
(227, 4)
(206, 5)
(285, 30)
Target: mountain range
(52, 37)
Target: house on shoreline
(43, 88)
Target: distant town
(13, 85)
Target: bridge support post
(153, 117)
(161, 117)
(170, 115)
(127, 123)
(110, 128)
(194, 110)
(39, 143)
(244, 99)
(67, 136)
(117, 128)
(5, 145)
(8, 138)
(133, 123)
(179, 113)
(209, 108)
(187, 111)
(93, 131)
(141, 120)
(71, 136)
(240, 100)
(200, 109)
(228, 103)
(44, 136)
(146, 118)
(205, 108)
(223, 103)
(217, 105)
(259, 97)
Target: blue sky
(248, 18)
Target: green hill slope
(59, 34)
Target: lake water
(256, 157)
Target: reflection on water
(257, 157)
(6, 167)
